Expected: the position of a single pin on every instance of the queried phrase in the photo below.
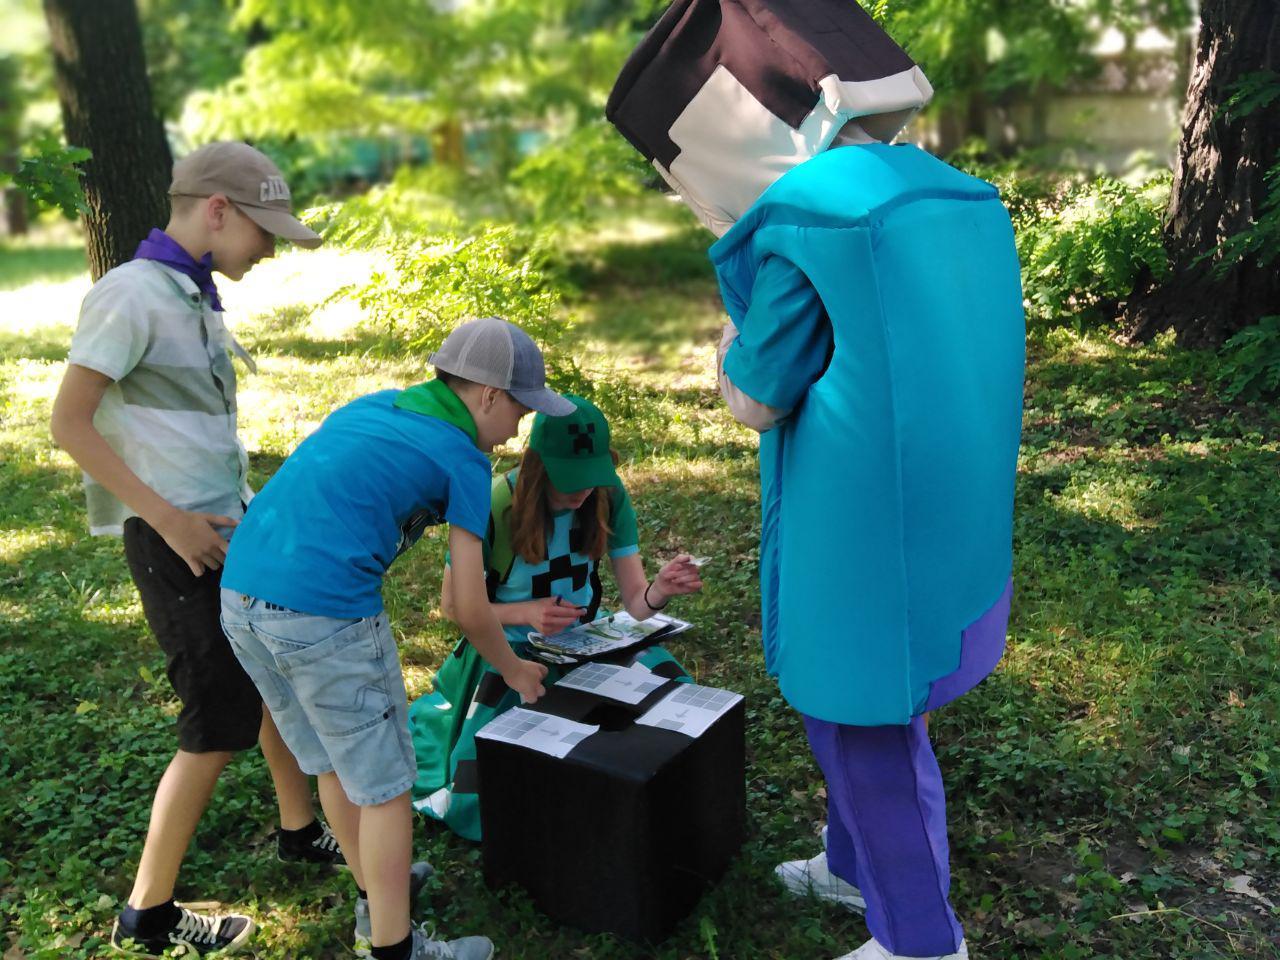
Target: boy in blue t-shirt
(302, 605)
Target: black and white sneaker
(314, 844)
(195, 932)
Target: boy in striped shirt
(147, 408)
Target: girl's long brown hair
(531, 512)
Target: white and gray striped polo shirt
(171, 412)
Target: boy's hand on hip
(553, 614)
(525, 678)
(194, 537)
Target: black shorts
(221, 708)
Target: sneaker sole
(230, 948)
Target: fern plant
(1250, 362)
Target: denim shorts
(335, 690)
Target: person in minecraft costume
(877, 344)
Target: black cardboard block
(625, 833)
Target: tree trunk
(101, 77)
(1218, 186)
(448, 147)
(14, 202)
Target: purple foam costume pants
(887, 831)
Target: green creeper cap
(575, 447)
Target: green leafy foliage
(1105, 785)
(1261, 239)
(1007, 49)
(1082, 242)
(51, 177)
(1091, 245)
(189, 45)
(437, 282)
(575, 176)
(1252, 92)
(410, 66)
(1250, 367)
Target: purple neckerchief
(162, 248)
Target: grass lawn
(1112, 787)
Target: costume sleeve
(784, 340)
(469, 497)
(624, 537)
(111, 336)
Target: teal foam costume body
(916, 416)
(877, 345)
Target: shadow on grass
(291, 343)
(20, 266)
(637, 296)
(679, 257)
(1098, 393)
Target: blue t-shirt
(353, 496)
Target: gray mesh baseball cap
(499, 354)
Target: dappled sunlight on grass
(1111, 498)
(16, 544)
(300, 277)
(1129, 729)
(32, 383)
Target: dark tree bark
(1218, 186)
(14, 203)
(101, 76)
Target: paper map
(689, 709)
(628, 684)
(543, 732)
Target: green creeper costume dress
(468, 692)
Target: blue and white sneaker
(425, 947)
(419, 874)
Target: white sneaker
(873, 951)
(813, 878)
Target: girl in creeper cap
(553, 519)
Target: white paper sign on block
(690, 709)
(627, 684)
(543, 732)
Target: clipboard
(604, 638)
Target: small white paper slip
(543, 732)
(689, 709)
(628, 684)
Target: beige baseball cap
(247, 178)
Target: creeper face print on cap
(575, 448)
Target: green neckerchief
(435, 399)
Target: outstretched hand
(678, 577)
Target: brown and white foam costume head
(725, 96)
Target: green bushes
(440, 281)
(1250, 362)
(1083, 242)
(1088, 247)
